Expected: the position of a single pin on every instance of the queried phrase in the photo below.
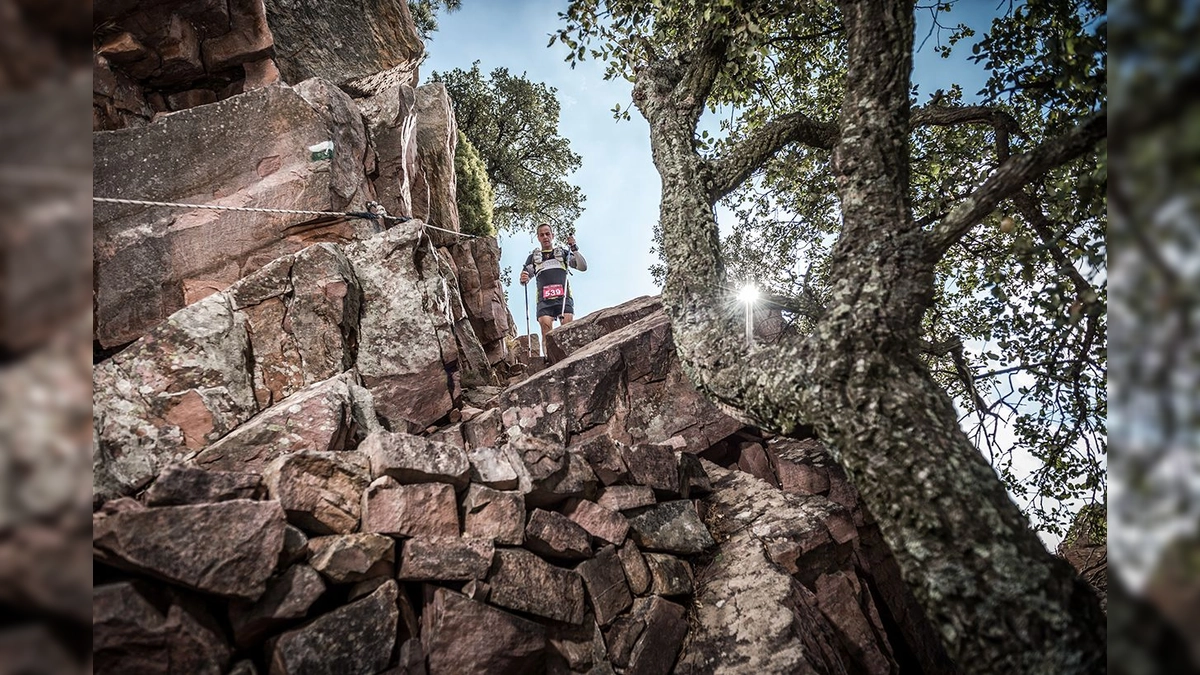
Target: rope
(249, 209)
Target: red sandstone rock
(181, 484)
(637, 573)
(553, 535)
(606, 586)
(626, 497)
(499, 516)
(131, 633)
(349, 558)
(522, 581)
(320, 491)
(445, 558)
(358, 637)
(410, 510)
(318, 418)
(600, 522)
(669, 575)
(412, 459)
(461, 635)
(229, 548)
(670, 527)
(288, 596)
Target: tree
(1017, 329)
(513, 123)
(856, 368)
(475, 197)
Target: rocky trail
(319, 445)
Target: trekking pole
(566, 284)
(528, 335)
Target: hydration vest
(538, 257)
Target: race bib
(552, 291)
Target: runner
(550, 264)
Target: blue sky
(617, 175)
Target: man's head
(545, 235)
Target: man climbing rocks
(550, 265)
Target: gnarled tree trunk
(1000, 600)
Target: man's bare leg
(547, 324)
(567, 318)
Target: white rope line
(250, 209)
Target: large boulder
(589, 391)
(170, 394)
(408, 353)
(247, 151)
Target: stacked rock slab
(304, 554)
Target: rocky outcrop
(154, 58)
(627, 386)
(350, 43)
(247, 151)
(191, 386)
(571, 337)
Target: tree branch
(1013, 175)
(703, 64)
(944, 116)
(1029, 209)
(735, 166)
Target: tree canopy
(513, 124)
(895, 227)
(424, 14)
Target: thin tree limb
(735, 166)
(1013, 175)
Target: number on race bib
(552, 291)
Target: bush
(476, 200)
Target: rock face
(343, 42)
(248, 151)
